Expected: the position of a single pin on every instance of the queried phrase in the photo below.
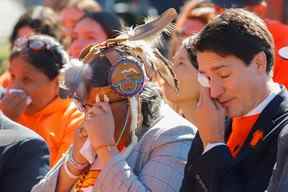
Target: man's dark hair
(237, 32)
(189, 47)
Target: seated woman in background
(37, 20)
(114, 151)
(186, 73)
(71, 11)
(194, 16)
(35, 63)
(93, 27)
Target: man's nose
(216, 89)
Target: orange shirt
(87, 179)
(56, 124)
(279, 32)
(241, 127)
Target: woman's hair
(108, 21)
(84, 5)
(43, 52)
(151, 100)
(42, 20)
(101, 67)
(188, 44)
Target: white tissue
(203, 80)
(87, 152)
(3, 92)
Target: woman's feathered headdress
(130, 59)
(136, 42)
(132, 47)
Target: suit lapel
(268, 119)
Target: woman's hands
(99, 124)
(14, 103)
(99, 128)
(80, 136)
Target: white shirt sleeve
(212, 145)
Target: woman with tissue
(113, 151)
(32, 100)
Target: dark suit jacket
(279, 179)
(24, 157)
(218, 171)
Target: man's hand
(209, 118)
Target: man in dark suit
(279, 179)
(24, 157)
(235, 53)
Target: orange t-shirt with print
(87, 180)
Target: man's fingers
(219, 107)
(204, 98)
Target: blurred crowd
(95, 100)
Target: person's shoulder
(170, 128)
(276, 25)
(278, 30)
(172, 120)
(283, 136)
(12, 132)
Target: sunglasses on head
(32, 44)
(35, 46)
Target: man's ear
(260, 60)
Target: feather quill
(75, 74)
(153, 28)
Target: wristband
(71, 175)
(76, 164)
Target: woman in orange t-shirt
(32, 99)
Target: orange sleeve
(73, 119)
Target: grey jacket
(156, 163)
